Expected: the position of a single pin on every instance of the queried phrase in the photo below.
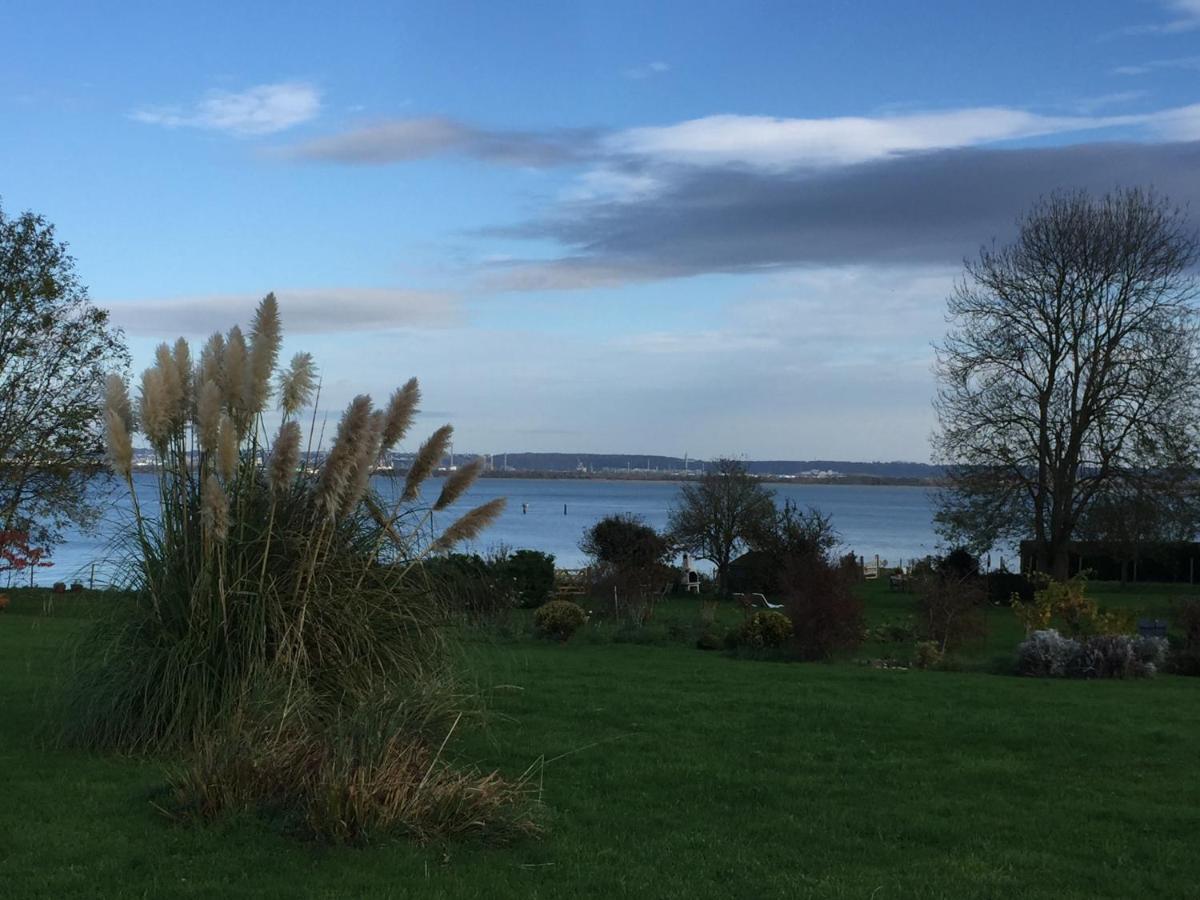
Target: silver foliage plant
(1049, 654)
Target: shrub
(1066, 603)
(1003, 587)
(629, 566)
(826, 614)
(709, 640)
(960, 563)
(269, 602)
(470, 588)
(1049, 654)
(1185, 660)
(951, 609)
(530, 574)
(927, 655)
(1046, 654)
(767, 629)
(559, 619)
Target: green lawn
(677, 773)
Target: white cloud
(1181, 62)
(1182, 124)
(262, 109)
(649, 70)
(785, 143)
(1185, 17)
(303, 311)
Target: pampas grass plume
(227, 448)
(339, 467)
(427, 459)
(401, 408)
(208, 416)
(364, 464)
(458, 482)
(154, 408)
(173, 392)
(264, 353)
(212, 358)
(116, 399)
(233, 371)
(119, 444)
(214, 509)
(285, 457)
(296, 384)
(181, 356)
(470, 525)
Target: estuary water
(895, 523)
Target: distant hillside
(626, 462)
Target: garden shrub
(767, 629)
(927, 655)
(709, 640)
(1047, 653)
(951, 609)
(559, 620)
(530, 575)
(1185, 658)
(826, 613)
(959, 563)
(471, 589)
(1066, 603)
(1004, 587)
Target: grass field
(677, 773)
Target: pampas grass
(285, 457)
(296, 384)
(471, 524)
(283, 637)
(428, 457)
(457, 483)
(401, 409)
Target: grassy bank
(676, 773)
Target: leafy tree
(625, 541)
(1070, 368)
(56, 349)
(630, 562)
(720, 514)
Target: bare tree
(55, 351)
(1070, 367)
(721, 513)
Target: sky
(704, 228)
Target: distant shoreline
(855, 480)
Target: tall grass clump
(282, 638)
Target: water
(894, 522)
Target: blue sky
(674, 227)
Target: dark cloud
(401, 140)
(932, 208)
